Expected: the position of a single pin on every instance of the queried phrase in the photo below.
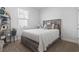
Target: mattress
(43, 36)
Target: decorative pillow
(56, 26)
(52, 26)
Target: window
(22, 23)
(23, 17)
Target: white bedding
(43, 36)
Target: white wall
(69, 20)
(34, 19)
(50, 13)
(69, 28)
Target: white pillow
(52, 26)
(45, 26)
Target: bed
(41, 39)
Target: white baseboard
(72, 40)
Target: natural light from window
(23, 17)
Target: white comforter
(43, 36)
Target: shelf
(4, 15)
(5, 22)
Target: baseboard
(72, 40)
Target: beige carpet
(59, 46)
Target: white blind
(23, 16)
(23, 13)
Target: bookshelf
(5, 28)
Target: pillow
(52, 26)
(56, 26)
(45, 26)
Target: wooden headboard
(56, 22)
